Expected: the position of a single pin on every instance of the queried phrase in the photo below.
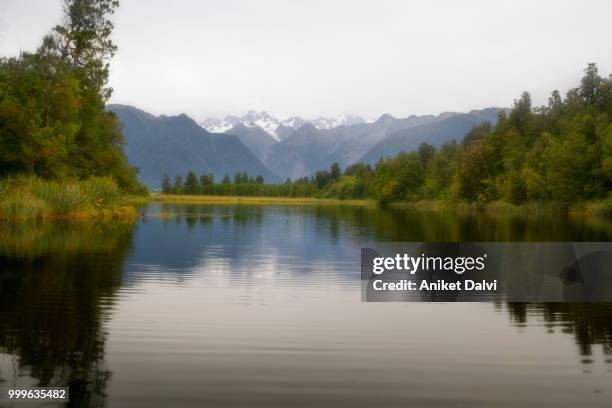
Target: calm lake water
(261, 306)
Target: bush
(101, 192)
(32, 198)
(22, 206)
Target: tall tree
(191, 184)
(177, 188)
(53, 121)
(84, 41)
(335, 171)
(165, 185)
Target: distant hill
(177, 144)
(309, 149)
(255, 138)
(435, 133)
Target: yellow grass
(595, 208)
(204, 199)
(30, 198)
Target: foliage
(31, 198)
(53, 122)
(560, 153)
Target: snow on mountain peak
(270, 123)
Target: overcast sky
(311, 58)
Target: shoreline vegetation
(593, 208)
(31, 198)
(556, 157)
(601, 208)
(62, 153)
(249, 200)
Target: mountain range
(262, 144)
(173, 145)
(278, 128)
(436, 133)
(309, 149)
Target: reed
(208, 199)
(31, 198)
(590, 208)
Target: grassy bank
(599, 208)
(207, 199)
(592, 208)
(30, 198)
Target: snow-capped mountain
(334, 122)
(214, 125)
(276, 126)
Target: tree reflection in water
(589, 323)
(57, 283)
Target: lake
(213, 305)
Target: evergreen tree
(191, 184)
(177, 188)
(165, 185)
(335, 171)
(204, 180)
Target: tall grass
(263, 200)
(28, 198)
(601, 208)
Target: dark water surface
(260, 306)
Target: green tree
(53, 121)
(205, 180)
(590, 86)
(83, 40)
(191, 184)
(165, 185)
(335, 171)
(426, 153)
(177, 187)
(238, 178)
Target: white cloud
(327, 57)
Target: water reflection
(589, 323)
(260, 304)
(56, 287)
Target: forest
(559, 153)
(56, 134)
(61, 151)
(53, 122)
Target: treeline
(560, 153)
(53, 122)
(240, 185)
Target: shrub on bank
(24, 198)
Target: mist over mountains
(263, 144)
